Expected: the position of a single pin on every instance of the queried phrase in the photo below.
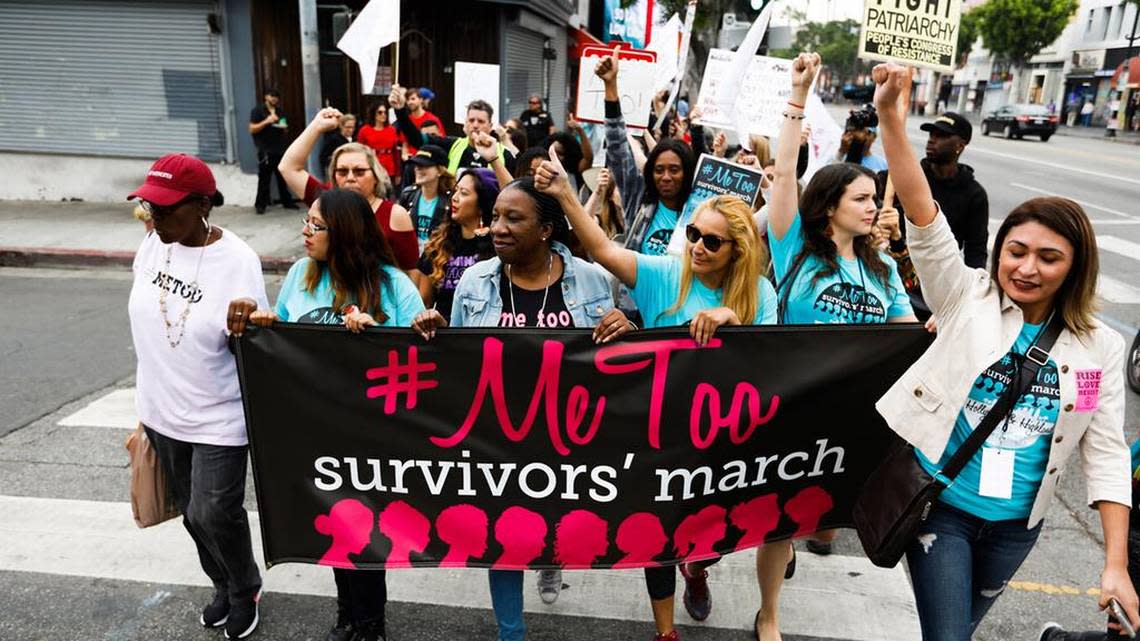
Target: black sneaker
(243, 619)
(697, 598)
(292, 204)
(1052, 632)
(216, 613)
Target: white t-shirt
(191, 392)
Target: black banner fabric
(539, 449)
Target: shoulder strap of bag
(784, 288)
(1036, 356)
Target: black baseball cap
(951, 123)
(429, 155)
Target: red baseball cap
(174, 177)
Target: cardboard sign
(716, 177)
(637, 73)
(763, 96)
(926, 36)
(475, 81)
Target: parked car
(859, 93)
(1132, 367)
(1015, 121)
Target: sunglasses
(359, 172)
(712, 241)
(160, 211)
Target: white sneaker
(549, 585)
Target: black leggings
(362, 594)
(662, 581)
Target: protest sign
(715, 177)
(763, 96)
(539, 448)
(825, 138)
(475, 81)
(923, 36)
(637, 71)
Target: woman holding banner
(348, 277)
(1041, 282)
(354, 167)
(533, 281)
(828, 270)
(718, 282)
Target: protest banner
(475, 81)
(921, 34)
(763, 96)
(626, 21)
(715, 177)
(637, 71)
(539, 448)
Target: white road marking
(1079, 202)
(1067, 168)
(1120, 246)
(1115, 291)
(837, 595)
(116, 409)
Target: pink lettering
(660, 352)
(545, 393)
(708, 393)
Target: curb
(60, 257)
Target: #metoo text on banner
(921, 33)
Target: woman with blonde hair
(353, 167)
(1040, 289)
(718, 281)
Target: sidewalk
(80, 234)
(1097, 133)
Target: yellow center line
(1055, 590)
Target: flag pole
(396, 62)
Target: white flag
(665, 43)
(740, 62)
(377, 26)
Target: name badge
(997, 473)
(1088, 389)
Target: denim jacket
(585, 288)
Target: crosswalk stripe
(1115, 291)
(1120, 246)
(116, 409)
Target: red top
(385, 142)
(405, 246)
(418, 121)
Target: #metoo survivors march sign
(922, 33)
(541, 449)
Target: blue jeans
(507, 602)
(208, 484)
(959, 564)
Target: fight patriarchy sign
(923, 33)
(541, 449)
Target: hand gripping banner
(540, 449)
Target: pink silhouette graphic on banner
(522, 534)
(580, 538)
(641, 537)
(464, 528)
(695, 537)
(756, 518)
(407, 529)
(807, 507)
(349, 523)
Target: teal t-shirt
(398, 298)
(1028, 433)
(851, 295)
(874, 163)
(660, 231)
(659, 281)
(425, 210)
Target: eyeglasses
(359, 172)
(312, 227)
(164, 210)
(712, 241)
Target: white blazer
(977, 324)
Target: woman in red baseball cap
(186, 273)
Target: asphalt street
(67, 372)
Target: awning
(580, 38)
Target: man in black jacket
(962, 199)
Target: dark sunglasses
(712, 241)
(165, 210)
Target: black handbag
(899, 494)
